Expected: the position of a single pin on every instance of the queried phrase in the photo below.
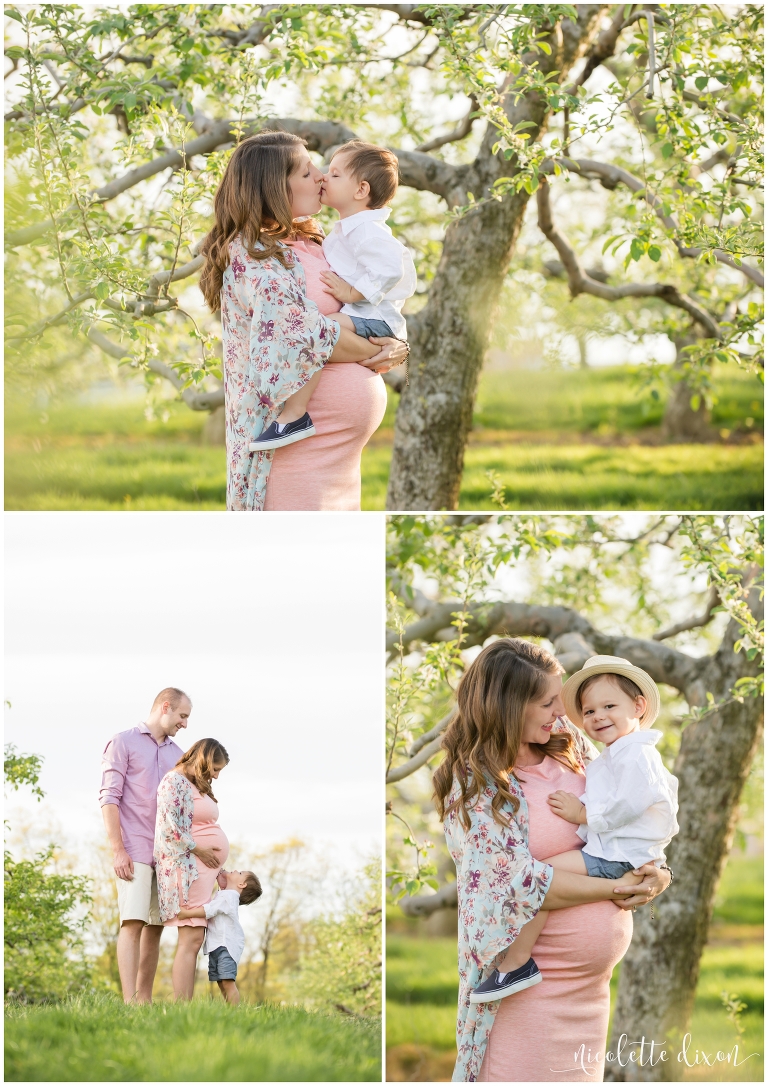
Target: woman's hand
(568, 806)
(340, 288)
(393, 353)
(208, 856)
(655, 881)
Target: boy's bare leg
(228, 989)
(520, 951)
(296, 405)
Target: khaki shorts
(137, 900)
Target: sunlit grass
(536, 430)
(98, 1039)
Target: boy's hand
(339, 288)
(567, 806)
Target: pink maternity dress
(207, 833)
(538, 1033)
(323, 471)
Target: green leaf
(636, 249)
(103, 290)
(12, 13)
(667, 150)
(654, 252)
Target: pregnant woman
(263, 259)
(190, 850)
(507, 750)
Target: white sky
(273, 625)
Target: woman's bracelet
(666, 867)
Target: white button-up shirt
(631, 801)
(363, 251)
(224, 927)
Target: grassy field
(98, 1039)
(565, 440)
(422, 990)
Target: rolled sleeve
(114, 765)
(369, 288)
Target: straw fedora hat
(613, 665)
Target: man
(133, 764)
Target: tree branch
(611, 176)
(581, 283)
(77, 300)
(427, 737)
(695, 621)
(197, 401)
(512, 619)
(604, 47)
(418, 170)
(462, 129)
(420, 759)
(424, 905)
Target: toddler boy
(224, 937)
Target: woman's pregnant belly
(323, 472)
(211, 835)
(538, 1033)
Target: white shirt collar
(371, 214)
(643, 735)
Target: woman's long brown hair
(199, 762)
(482, 741)
(254, 200)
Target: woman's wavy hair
(254, 200)
(199, 762)
(481, 743)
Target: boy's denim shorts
(221, 965)
(365, 327)
(606, 869)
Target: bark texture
(434, 416)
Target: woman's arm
(567, 888)
(380, 355)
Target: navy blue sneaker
(499, 985)
(275, 436)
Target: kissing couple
(169, 853)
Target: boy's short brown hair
(376, 165)
(252, 890)
(632, 690)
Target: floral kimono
(500, 888)
(274, 339)
(176, 869)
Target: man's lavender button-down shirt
(132, 766)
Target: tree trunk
(660, 971)
(434, 415)
(681, 422)
(214, 428)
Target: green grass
(422, 986)
(569, 439)
(597, 477)
(98, 1039)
